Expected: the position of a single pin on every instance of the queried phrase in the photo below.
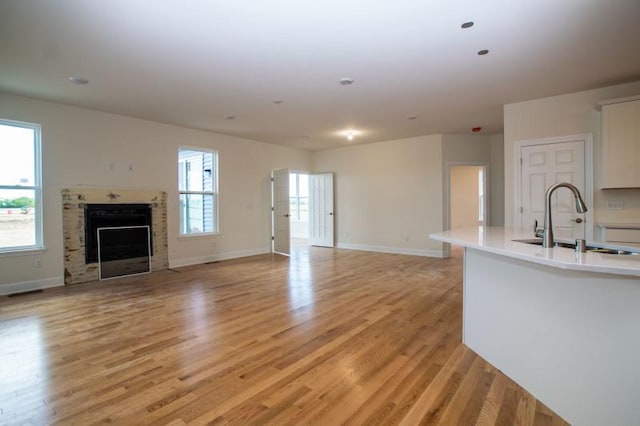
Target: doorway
(466, 196)
(299, 209)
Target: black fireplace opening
(112, 216)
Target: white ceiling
(191, 62)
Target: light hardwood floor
(326, 337)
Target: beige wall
(80, 145)
(465, 206)
(563, 115)
(496, 181)
(466, 148)
(388, 195)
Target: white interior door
(280, 197)
(542, 166)
(321, 209)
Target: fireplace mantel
(73, 202)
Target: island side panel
(570, 338)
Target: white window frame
(214, 193)
(37, 187)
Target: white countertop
(499, 240)
(618, 225)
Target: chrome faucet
(547, 231)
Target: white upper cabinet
(621, 145)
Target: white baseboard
(392, 250)
(177, 263)
(24, 286)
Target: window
(198, 189)
(20, 188)
(299, 196)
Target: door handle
(330, 213)
(577, 220)
(286, 215)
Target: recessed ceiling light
(349, 133)
(229, 117)
(346, 81)
(278, 101)
(483, 52)
(412, 117)
(467, 25)
(78, 80)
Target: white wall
(78, 147)
(562, 115)
(496, 181)
(388, 195)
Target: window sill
(27, 251)
(202, 235)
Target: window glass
(197, 213)
(20, 219)
(299, 196)
(293, 184)
(303, 203)
(303, 181)
(18, 166)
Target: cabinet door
(621, 145)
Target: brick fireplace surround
(73, 202)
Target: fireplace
(110, 208)
(126, 242)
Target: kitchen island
(563, 325)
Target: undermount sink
(591, 249)
(538, 242)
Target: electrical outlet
(38, 263)
(615, 205)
